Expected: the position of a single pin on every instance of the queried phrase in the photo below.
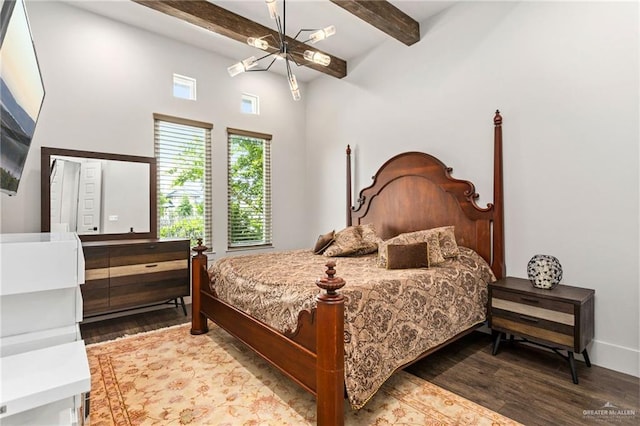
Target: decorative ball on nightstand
(544, 271)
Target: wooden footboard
(312, 355)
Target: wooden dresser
(126, 274)
(559, 319)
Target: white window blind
(183, 157)
(249, 189)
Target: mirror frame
(45, 191)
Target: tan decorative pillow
(435, 254)
(353, 241)
(448, 244)
(407, 256)
(429, 236)
(324, 241)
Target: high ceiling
(354, 36)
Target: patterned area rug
(169, 377)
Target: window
(183, 156)
(249, 189)
(184, 87)
(250, 104)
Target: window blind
(183, 157)
(249, 189)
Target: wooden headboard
(414, 191)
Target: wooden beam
(214, 18)
(385, 17)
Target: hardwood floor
(530, 385)
(109, 329)
(524, 383)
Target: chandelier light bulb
(273, 8)
(322, 34)
(258, 42)
(317, 57)
(249, 63)
(242, 66)
(293, 83)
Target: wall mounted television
(21, 93)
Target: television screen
(21, 93)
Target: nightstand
(558, 319)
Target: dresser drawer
(181, 276)
(133, 294)
(149, 268)
(95, 296)
(148, 253)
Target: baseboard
(615, 357)
(606, 355)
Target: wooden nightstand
(559, 319)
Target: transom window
(184, 87)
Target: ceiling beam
(385, 17)
(214, 18)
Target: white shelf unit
(43, 364)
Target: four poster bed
(352, 340)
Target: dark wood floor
(526, 384)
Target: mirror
(98, 195)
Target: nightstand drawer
(534, 300)
(533, 311)
(532, 330)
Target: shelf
(35, 378)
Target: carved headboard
(414, 191)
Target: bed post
(498, 261)
(349, 203)
(330, 350)
(198, 279)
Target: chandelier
(282, 52)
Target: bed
(313, 340)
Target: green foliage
(192, 162)
(8, 181)
(185, 208)
(192, 228)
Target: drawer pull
(151, 266)
(151, 247)
(530, 319)
(526, 299)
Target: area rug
(169, 377)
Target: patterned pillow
(406, 256)
(430, 236)
(353, 241)
(448, 244)
(324, 241)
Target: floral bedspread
(391, 316)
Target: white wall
(565, 76)
(104, 80)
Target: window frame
(207, 237)
(255, 103)
(267, 235)
(189, 82)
